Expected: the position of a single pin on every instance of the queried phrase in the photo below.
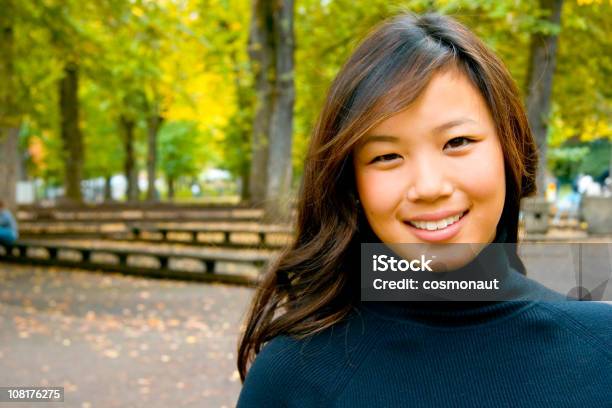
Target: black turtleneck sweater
(536, 351)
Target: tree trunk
(72, 138)
(271, 50)
(278, 190)
(9, 154)
(244, 106)
(9, 112)
(108, 190)
(170, 188)
(261, 53)
(245, 174)
(539, 85)
(153, 124)
(129, 164)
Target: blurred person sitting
(8, 226)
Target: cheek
(379, 192)
(484, 180)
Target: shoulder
(309, 371)
(272, 377)
(588, 320)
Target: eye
(385, 158)
(459, 142)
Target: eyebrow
(452, 124)
(437, 129)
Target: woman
(423, 139)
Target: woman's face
(434, 173)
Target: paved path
(119, 341)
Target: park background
(179, 128)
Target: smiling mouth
(437, 225)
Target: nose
(429, 180)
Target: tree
(541, 69)
(72, 46)
(137, 80)
(226, 54)
(154, 122)
(180, 147)
(70, 131)
(261, 52)
(281, 126)
(104, 150)
(272, 52)
(9, 113)
(129, 163)
(581, 96)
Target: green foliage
(103, 146)
(180, 149)
(596, 162)
(223, 29)
(568, 161)
(187, 61)
(237, 134)
(565, 162)
(581, 87)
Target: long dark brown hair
(314, 283)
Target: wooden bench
(139, 232)
(125, 212)
(114, 217)
(123, 205)
(261, 232)
(20, 252)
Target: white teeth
(442, 224)
(436, 225)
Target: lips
(439, 235)
(434, 222)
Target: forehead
(449, 98)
